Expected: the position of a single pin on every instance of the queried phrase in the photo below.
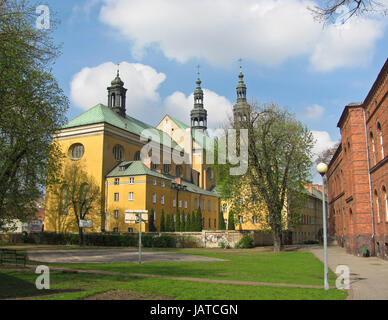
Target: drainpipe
(370, 186)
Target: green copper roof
(103, 114)
(137, 168)
(133, 168)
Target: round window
(76, 151)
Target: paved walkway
(110, 255)
(368, 276)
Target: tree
(331, 10)
(188, 223)
(326, 155)
(162, 222)
(221, 221)
(198, 220)
(278, 165)
(32, 108)
(193, 224)
(82, 196)
(231, 225)
(183, 222)
(178, 222)
(151, 221)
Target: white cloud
(323, 142)
(313, 112)
(218, 107)
(220, 31)
(89, 87)
(347, 45)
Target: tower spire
(241, 110)
(198, 113)
(116, 95)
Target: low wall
(204, 239)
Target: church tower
(198, 113)
(116, 95)
(241, 110)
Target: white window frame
(131, 180)
(174, 202)
(116, 198)
(117, 181)
(180, 203)
(185, 204)
(130, 196)
(162, 199)
(154, 198)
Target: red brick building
(358, 174)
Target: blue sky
(288, 58)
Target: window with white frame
(116, 214)
(196, 203)
(117, 181)
(386, 203)
(154, 198)
(377, 207)
(180, 203)
(185, 204)
(174, 202)
(131, 180)
(130, 196)
(162, 200)
(116, 196)
(380, 132)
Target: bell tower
(198, 113)
(241, 110)
(116, 95)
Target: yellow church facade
(107, 143)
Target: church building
(107, 143)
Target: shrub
(163, 241)
(245, 242)
(311, 242)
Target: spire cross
(240, 60)
(118, 69)
(198, 66)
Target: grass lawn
(285, 267)
(20, 284)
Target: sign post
(134, 216)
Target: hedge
(102, 239)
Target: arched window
(76, 151)
(373, 148)
(118, 152)
(137, 156)
(386, 203)
(178, 171)
(377, 206)
(209, 173)
(166, 168)
(380, 132)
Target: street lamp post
(322, 169)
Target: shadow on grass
(13, 288)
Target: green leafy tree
(221, 221)
(168, 223)
(178, 222)
(199, 220)
(188, 223)
(193, 224)
(278, 165)
(162, 222)
(32, 108)
(231, 225)
(151, 221)
(183, 222)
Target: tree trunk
(277, 243)
(81, 237)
